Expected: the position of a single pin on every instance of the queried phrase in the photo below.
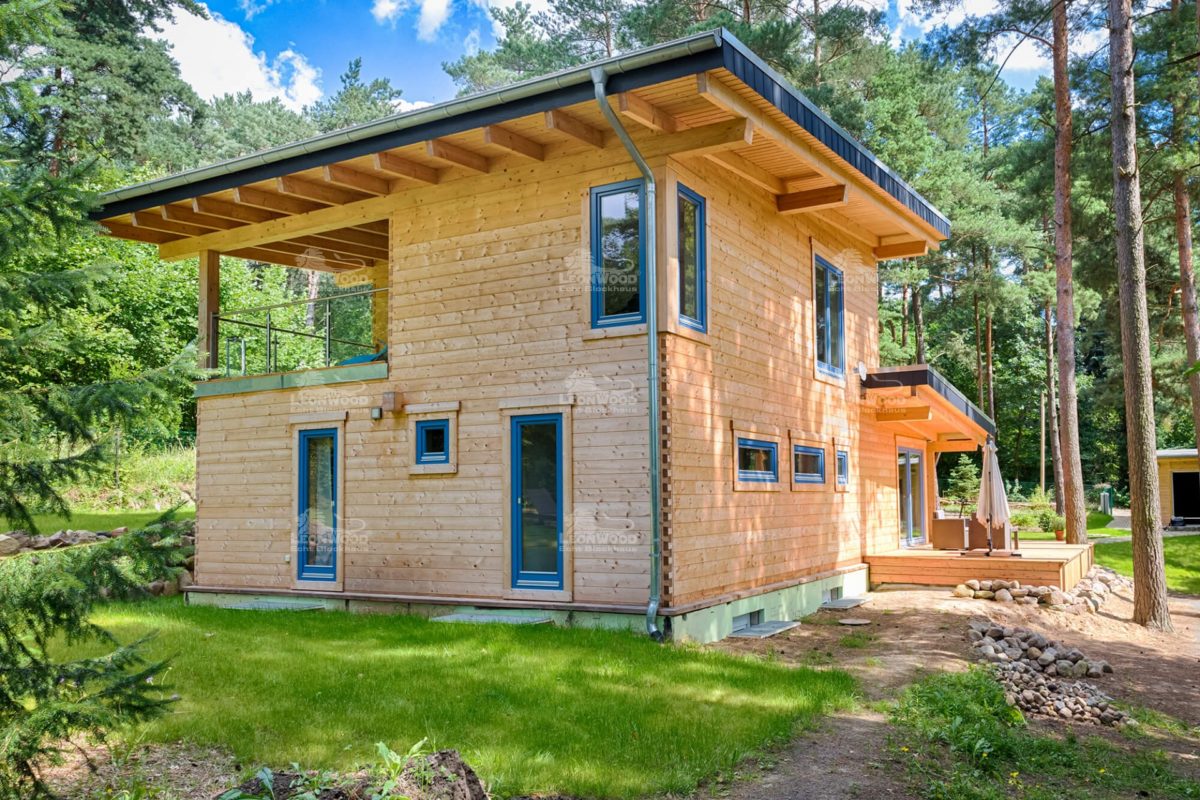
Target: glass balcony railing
(344, 328)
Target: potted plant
(1049, 521)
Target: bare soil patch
(914, 632)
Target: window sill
(830, 379)
(616, 331)
(755, 486)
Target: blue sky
(296, 49)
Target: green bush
(1049, 522)
(1025, 520)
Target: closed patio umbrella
(992, 507)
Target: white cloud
(434, 14)
(411, 105)
(472, 42)
(386, 11)
(217, 57)
(252, 8)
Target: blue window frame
(757, 461)
(537, 501)
(828, 295)
(317, 511)
(808, 464)
(433, 441)
(693, 300)
(843, 467)
(618, 281)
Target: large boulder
(9, 545)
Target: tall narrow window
(693, 312)
(843, 467)
(618, 252)
(830, 314)
(317, 523)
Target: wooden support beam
(122, 230)
(904, 414)
(646, 113)
(747, 170)
(288, 255)
(813, 199)
(210, 305)
(706, 139)
(901, 250)
(406, 168)
(954, 446)
(149, 219)
(185, 214)
(359, 236)
(448, 151)
(223, 208)
(514, 142)
(370, 213)
(365, 182)
(712, 90)
(558, 120)
(339, 250)
(380, 226)
(849, 227)
(248, 195)
(319, 192)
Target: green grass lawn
(1096, 523)
(1182, 560)
(533, 709)
(98, 520)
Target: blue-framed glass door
(537, 501)
(316, 531)
(910, 480)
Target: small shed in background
(1179, 487)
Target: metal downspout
(599, 78)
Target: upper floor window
(618, 253)
(693, 311)
(831, 318)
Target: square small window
(843, 468)
(808, 464)
(757, 461)
(433, 441)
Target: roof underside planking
(328, 209)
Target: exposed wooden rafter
(186, 214)
(155, 221)
(248, 195)
(348, 178)
(449, 151)
(124, 231)
(318, 192)
(559, 120)
(813, 199)
(269, 255)
(235, 211)
(514, 142)
(901, 250)
(405, 168)
(725, 98)
(646, 113)
(717, 137)
(748, 170)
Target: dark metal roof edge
(775, 89)
(925, 375)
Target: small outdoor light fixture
(377, 413)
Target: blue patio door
(318, 506)
(537, 502)
(910, 480)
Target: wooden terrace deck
(1042, 564)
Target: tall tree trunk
(904, 315)
(816, 26)
(1052, 415)
(1149, 578)
(1068, 407)
(990, 343)
(919, 324)
(978, 354)
(1183, 241)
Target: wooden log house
(623, 368)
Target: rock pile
(15, 542)
(1087, 596)
(1007, 645)
(1037, 693)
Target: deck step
(764, 629)
(503, 619)
(844, 603)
